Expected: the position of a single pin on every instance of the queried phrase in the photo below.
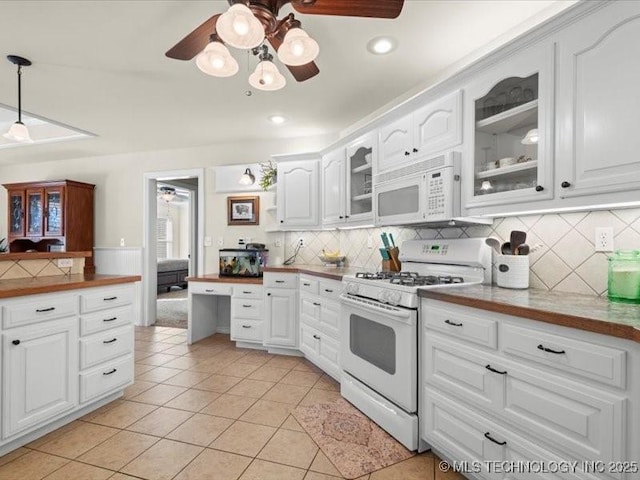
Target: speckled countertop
(333, 273)
(591, 313)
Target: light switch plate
(65, 262)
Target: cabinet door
(598, 78)
(54, 211)
(298, 194)
(333, 186)
(16, 213)
(282, 319)
(359, 199)
(329, 356)
(438, 125)
(40, 373)
(394, 145)
(35, 211)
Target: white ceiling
(99, 66)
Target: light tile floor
(200, 412)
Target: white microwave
(427, 192)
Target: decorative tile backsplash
(39, 267)
(565, 259)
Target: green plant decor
(268, 174)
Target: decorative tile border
(40, 267)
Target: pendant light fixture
(216, 60)
(298, 48)
(247, 178)
(266, 75)
(18, 132)
(239, 27)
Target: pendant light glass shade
(216, 60)
(18, 132)
(247, 178)
(298, 48)
(239, 27)
(267, 77)
(531, 138)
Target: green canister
(624, 276)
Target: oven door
(380, 348)
(401, 201)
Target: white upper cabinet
(333, 187)
(432, 128)
(297, 194)
(598, 103)
(509, 146)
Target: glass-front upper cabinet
(53, 197)
(359, 176)
(16, 213)
(510, 120)
(35, 210)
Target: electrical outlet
(370, 241)
(65, 262)
(604, 239)
(221, 241)
(300, 242)
(122, 242)
(278, 243)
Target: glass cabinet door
(53, 224)
(360, 158)
(34, 213)
(16, 213)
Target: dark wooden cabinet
(51, 216)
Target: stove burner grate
(422, 281)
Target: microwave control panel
(440, 194)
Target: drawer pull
(316, 304)
(16, 342)
(454, 324)
(109, 319)
(489, 437)
(108, 299)
(279, 281)
(328, 290)
(41, 310)
(246, 306)
(110, 341)
(246, 326)
(307, 284)
(550, 350)
(247, 293)
(110, 372)
(209, 290)
(491, 369)
(316, 337)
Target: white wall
(119, 182)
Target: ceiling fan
(248, 23)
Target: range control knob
(352, 288)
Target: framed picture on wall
(243, 210)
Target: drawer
(310, 310)
(100, 321)
(210, 288)
(308, 285)
(330, 318)
(94, 300)
(329, 356)
(330, 289)
(248, 291)
(280, 280)
(106, 379)
(458, 323)
(246, 308)
(585, 359)
(38, 308)
(310, 342)
(246, 330)
(105, 346)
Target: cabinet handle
(491, 369)
(557, 352)
(316, 337)
(307, 284)
(565, 184)
(281, 221)
(246, 326)
(415, 150)
(109, 319)
(50, 309)
(268, 294)
(328, 290)
(489, 437)
(539, 188)
(110, 372)
(110, 341)
(16, 342)
(247, 293)
(246, 306)
(279, 281)
(340, 217)
(108, 299)
(406, 154)
(209, 290)
(449, 322)
(316, 304)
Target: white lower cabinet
(247, 311)
(548, 402)
(281, 310)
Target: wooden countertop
(58, 283)
(214, 277)
(319, 271)
(39, 255)
(585, 312)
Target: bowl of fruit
(332, 258)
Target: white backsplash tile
(564, 261)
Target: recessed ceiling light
(381, 45)
(277, 119)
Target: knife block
(393, 264)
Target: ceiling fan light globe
(298, 48)
(216, 60)
(267, 77)
(18, 132)
(240, 28)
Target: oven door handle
(403, 315)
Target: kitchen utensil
(393, 259)
(493, 243)
(523, 249)
(624, 276)
(393, 243)
(517, 238)
(505, 249)
(385, 240)
(384, 253)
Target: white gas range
(379, 327)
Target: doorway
(172, 242)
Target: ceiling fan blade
(192, 44)
(350, 8)
(300, 72)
